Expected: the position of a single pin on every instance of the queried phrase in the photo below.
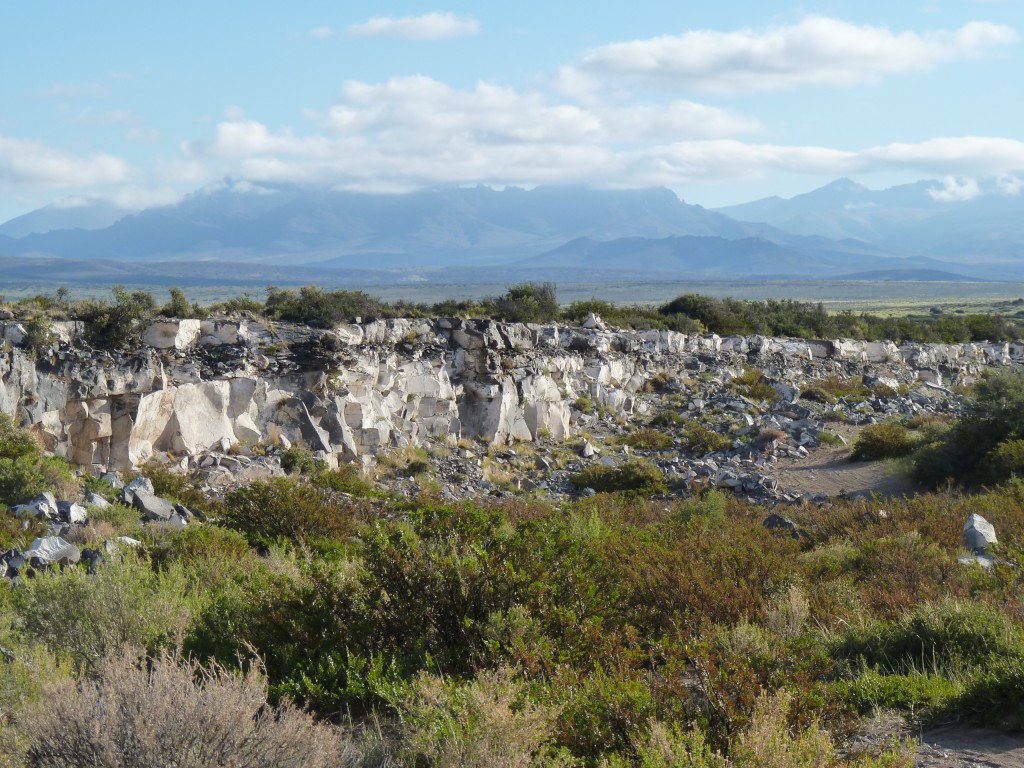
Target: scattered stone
(51, 550)
(979, 534)
(95, 500)
(152, 506)
(72, 512)
(778, 522)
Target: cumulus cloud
(422, 110)
(817, 51)
(380, 139)
(31, 163)
(429, 26)
(955, 189)
(1010, 184)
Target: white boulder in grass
(979, 534)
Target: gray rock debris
(152, 506)
(979, 534)
(52, 550)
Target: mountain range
(240, 232)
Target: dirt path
(829, 471)
(960, 747)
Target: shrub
(667, 418)
(174, 485)
(178, 305)
(319, 308)
(886, 440)
(701, 440)
(602, 713)
(1007, 459)
(282, 507)
(994, 416)
(119, 323)
(125, 604)
(528, 303)
(346, 479)
(648, 439)
(942, 636)
(634, 476)
(298, 459)
(25, 471)
(173, 712)
(489, 721)
(583, 404)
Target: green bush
(321, 309)
(634, 476)
(119, 323)
(176, 486)
(298, 459)
(701, 440)
(886, 440)
(647, 439)
(528, 303)
(124, 605)
(968, 451)
(285, 508)
(26, 471)
(935, 637)
(667, 418)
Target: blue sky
(141, 103)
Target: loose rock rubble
(225, 397)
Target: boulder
(50, 550)
(138, 484)
(72, 512)
(95, 500)
(778, 522)
(152, 506)
(979, 534)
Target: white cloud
(1010, 184)
(817, 51)
(321, 33)
(955, 189)
(139, 197)
(31, 163)
(384, 137)
(429, 26)
(423, 111)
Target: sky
(723, 102)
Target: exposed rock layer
(357, 389)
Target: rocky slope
(358, 391)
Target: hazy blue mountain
(907, 219)
(346, 229)
(92, 214)
(288, 233)
(719, 258)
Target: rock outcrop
(357, 389)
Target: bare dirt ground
(956, 746)
(829, 471)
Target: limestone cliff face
(355, 390)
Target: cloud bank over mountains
(673, 110)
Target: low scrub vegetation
(306, 624)
(118, 322)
